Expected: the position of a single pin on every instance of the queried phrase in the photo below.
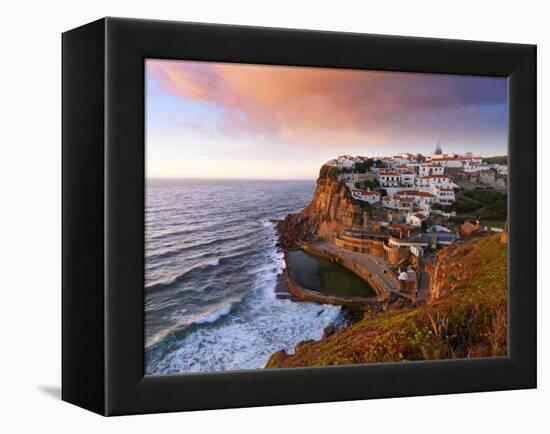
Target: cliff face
(449, 269)
(331, 209)
(466, 317)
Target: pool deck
(371, 268)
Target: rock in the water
(276, 359)
(329, 331)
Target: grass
(480, 203)
(469, 321)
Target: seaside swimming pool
(320, 275)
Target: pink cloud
(316, 106)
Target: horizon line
(195, 178)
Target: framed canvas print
(257, 216)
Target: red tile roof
(365, 192)
(434, 176)
(414, 193)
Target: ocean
(211, 266)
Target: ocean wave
(199, 267)
(266, 223)
(218, 240)
(217, 343)
(178, 277)
(192, 227)
(183, 323)
(210, 300)
(212, 317)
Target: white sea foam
(266, 223)
(246, 340)
(224, 316)
(215, 315)
(214, 262)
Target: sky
(242, 121)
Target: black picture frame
(103, 216)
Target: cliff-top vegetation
(480, 203)
(467, 319)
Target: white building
(401, 168)
(359, 176)
(398, 203)
(471, 159)
(416, 219)
(422, 199)
(388, 178)
(346, 161)
(471, 166)
(407, 179)
(447, 161)
(365, 195)
(400, 159)
(431, 169)
(434, 180)
(444, 195)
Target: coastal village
(428, 234)
(385, 218)
(411, 198)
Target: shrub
(367, 184)
(364, 166)
(327, 171)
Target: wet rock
(352, 313)
(329, 331)
(301, 344)
(276, 359)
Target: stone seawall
(363, 272)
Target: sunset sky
(221, 120)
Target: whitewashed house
(447, 161)
(366, 195)
(471, 166)
(406, 179)
(416, 219)
(400, 159)
(434, 180)
(430, 169)
(346, 161)
(422, 199)
(401, 168)
(359, 176)
(399, 203)
(469, 158)
(388, 178)
(444, 195)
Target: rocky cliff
(448, 271)
(331, 209)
